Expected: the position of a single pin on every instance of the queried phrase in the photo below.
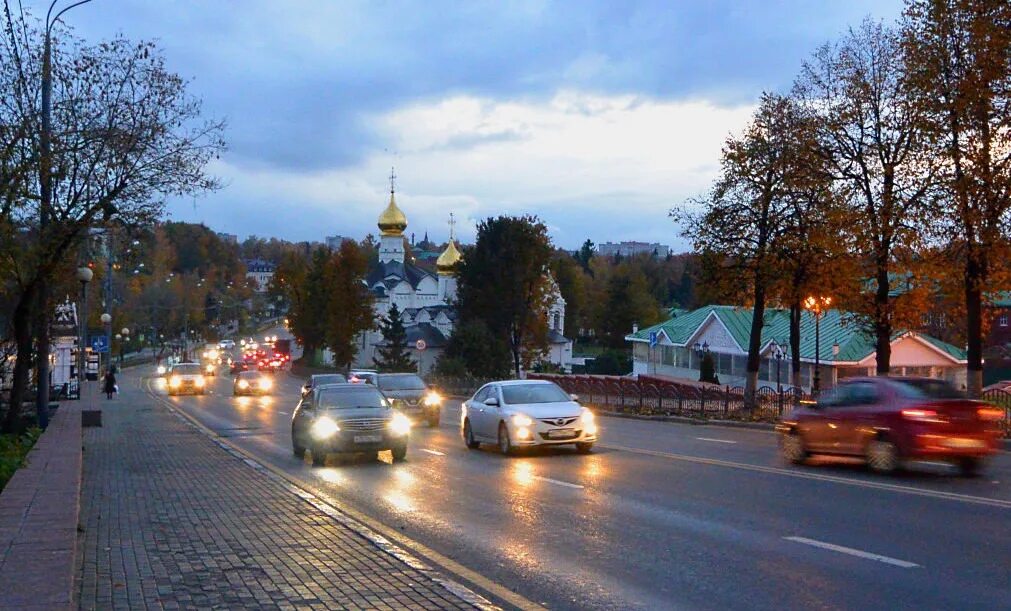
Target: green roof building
(844, 350)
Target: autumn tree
(959, 67)
(870, 140)
(628, 302)
(502, 283)
(393, 356)
(347, 302)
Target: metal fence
(1001, 398)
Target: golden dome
(392, 221)
(446, 263)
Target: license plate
(963, 443)
(368, 438)
(561, 433)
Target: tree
(475, 347)
(502, 282)
(348, 303)
(872, 146)
(628, 302)
(124, 135)
(393, 357)
(585, 254)
(959, 67)
(571, 281)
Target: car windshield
(405, 382)
(186, 369)
(516, 394)
(929, 389)
(345, 398)
(249, 375)
(330, 378)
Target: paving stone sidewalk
(171, 520)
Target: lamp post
(125, 332)
(106, 319)
(778, 352)
(84, 276)
(817, 306)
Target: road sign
(99, 343)
(652, 339)
(420, 345)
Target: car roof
(390, 375)
(251, 373)
(320, 375)
(345, 386)
(520, 382)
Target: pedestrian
(110, 384)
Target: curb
(39, 515)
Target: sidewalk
(171, 520)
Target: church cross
(452, 226)
(393, 178)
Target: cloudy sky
(596, 116)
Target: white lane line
(281, 411)
(715, 440)
(853, 552)
(433, 452)
(557, 482)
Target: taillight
(921, 415)
(990, 413)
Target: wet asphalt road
(663, 515)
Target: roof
(398, 270)
(555, 337)
(259, 265)
(837, 328)
(432, 337)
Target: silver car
(523, 413)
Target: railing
(1002, 399)
(464, 386)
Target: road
(662, 515)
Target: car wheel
(883, 455)
(584, 447)
(399, 453)
(970, 467)
(318, 457)
(468, 436)
(792, 448)
(505, 445)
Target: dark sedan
(348, 418)
(320, 379)
(252, 383)
(411, 395)
(889, 421)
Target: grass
(13, 449)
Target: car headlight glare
(175, 381)
(200, 381)
(587, 417)
(324, 427)
(432, 399)
(265, 383)
(243, 384)
(161, 370)
(522, 420)
(400, 424)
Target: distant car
(411, 395)
(319, 379)
(362, 376)
(252, 383)
(239, 365)
(889, 421)
(348, 418)
(226, 344)
(515, 414)
(210, 368)
(186, 378)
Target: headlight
(243, 384)
(265, 383)
(432, 399)
(587, 417)
(161, 370)
(522, 420)
(175, 381)
(324, 427)
(589, 422)
(400, 424)
(200, 381)
(209, 368)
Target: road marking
(853, 552)
(280, 411)
(374, 530)
(557, 482)
(715, 440)
(433, 452)
(937, 494)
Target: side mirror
(492, 401)
(574, 397)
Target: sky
(598, 117)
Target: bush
(707, 371)
(610, 363)
(13, 449)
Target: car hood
(358, 412)
(411, 395)
(560, 409)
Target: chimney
(635, 327)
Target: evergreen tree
(393, 358)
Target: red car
(891, 420)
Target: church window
(1002, 320)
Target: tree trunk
(754, 347)
(974, 327)
(882, 322)
(795, 313)
(22, 323)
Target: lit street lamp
(125, 332)
(817, 306)
(106, 319)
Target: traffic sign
(420, 345)
(99, 343)
(652, 339)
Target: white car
(186, 378)
(523, 413)
(226, 344)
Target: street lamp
(84, 276)
(125, 332)
(779, 353)
(817, 306)
(106, 319)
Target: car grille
(572, 435)
(363, 424)
(559, 421)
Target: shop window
(1002, 320)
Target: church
(426, 300)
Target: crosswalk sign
(652, 339)
(99, 343)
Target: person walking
(109, 384)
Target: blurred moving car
(889, 421)
(239, 365)
(186, 378)
(363, 376)
(521, 413)
(320, 379)
(348, 418)
(409, 393)
(252, 383)
(226, 344)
